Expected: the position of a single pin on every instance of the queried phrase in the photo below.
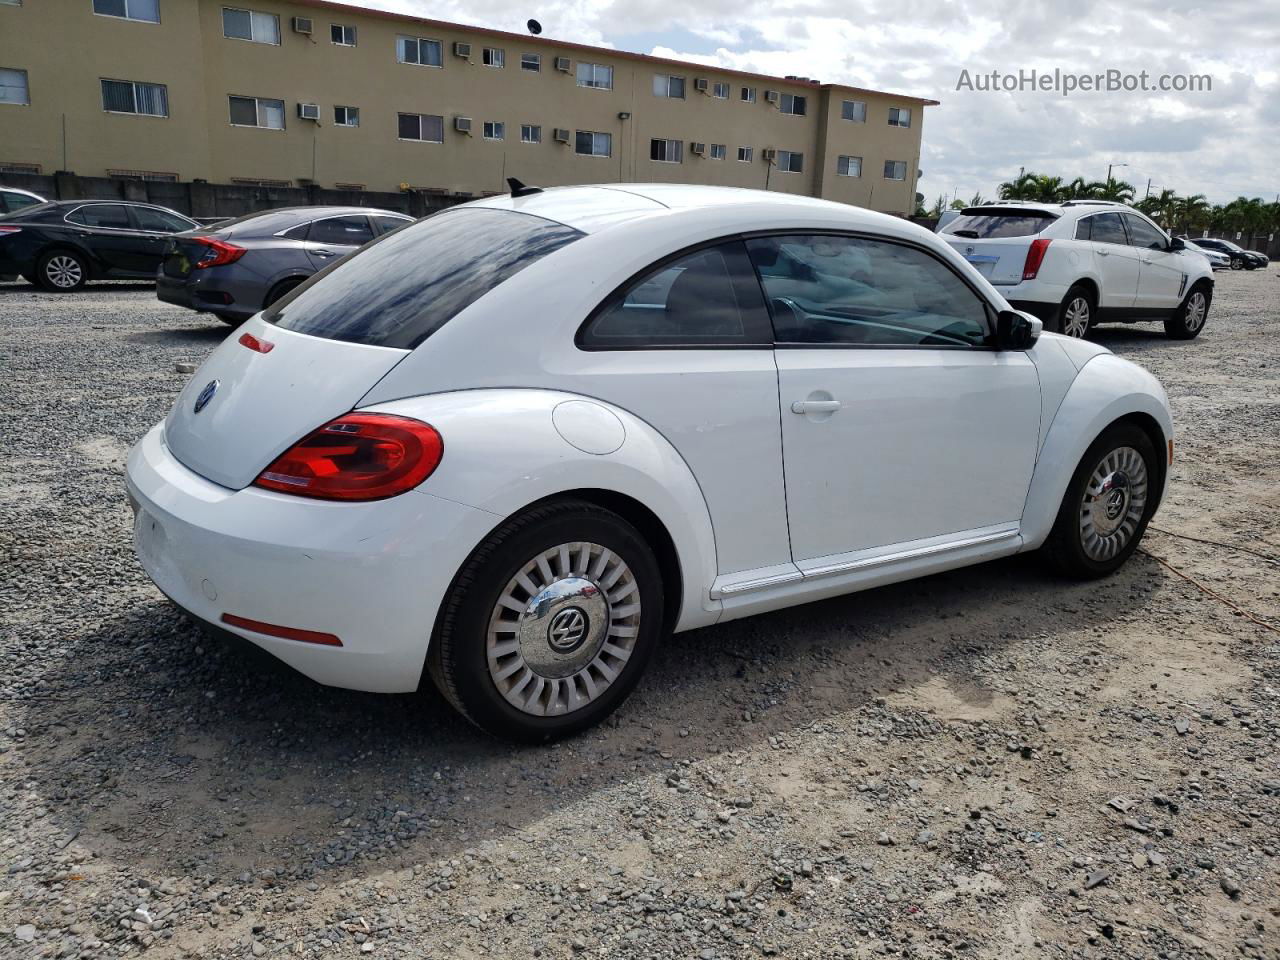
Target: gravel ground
(987, 763)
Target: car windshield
(400, 289)
(994, 224)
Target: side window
(1107, 228)
(387, 224)
(856, 290)
(1143, 234)
(706, 298)
(297, 233)
(351, 231)
(157, 221)
(112, 215)
(1084, 228)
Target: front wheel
(1188, 320)
(1108, 502)
(1075, 315)
(550, 623)
(1237, 263)
(62, 271)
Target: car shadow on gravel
(168, 752)
(111, 286)
(176, 336)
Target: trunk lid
(995, 238)
(265, 402)
(1000, 261)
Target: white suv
(1083, 262)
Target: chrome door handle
(1104, 253)
(1147, 260)
(815, 406)
(324, 253)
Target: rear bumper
(373, 574)
(173, 290)
(1047, 312)
(202, 291)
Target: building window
(792, 103)
(718, 151)
(530, 133)
(790, 162)
(422, 126)
(146, 10)
(849, 166)
(342, 35)
(259, 182)
(250, 25)
(666, 86)
(745, 154)
(125, 96)
(257, 112)
(895, 170)
(19, 168)
(494, 57)
(346, 116)
(899, 117)
(720, 90)
(592, 144)
(748, 95)
(666, 151)
(11, 3)
(494, 130)
(531, 62)
(595, 75)
(13, 86)
(855, 110)
(348, 186)
(146, 176)
(419, 50)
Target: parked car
(62, 245)
(13, 199)
(1085, 262)
(1217, 261)
(1241, 259)
(237, 267)
(512, 445)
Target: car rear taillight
(360, 456)
(1035, 257)
(6, 229)
(219, 254)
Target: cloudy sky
(1222, 143)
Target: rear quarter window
(403, 287)
(994, 226)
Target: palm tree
(1193, 212)
(938, 206)
(1116, 190)
(978, 200)
(1078, 189)
(1022, 188)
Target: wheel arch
(96, 268)
(1091, 284)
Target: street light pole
(1110, 165)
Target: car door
(1116, 261)
(109, 234)
(331, 239)
(1161, 272)
(901, 426)
(155, 227)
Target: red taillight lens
(219, 253)
(6, 229)
(1035, 257)
(256, 343)
(361, 456)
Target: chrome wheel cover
(1197, 310)
(563, 629)
(1075, 320)
(63, 272)
(1115, 499)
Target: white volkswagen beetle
(514, 444)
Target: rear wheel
(1237, 263)
(1188, 320)
(1076, 314)
(62, 271)
(550, 623)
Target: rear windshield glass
(404, 287)
(992, 226)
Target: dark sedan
(1241, 259)
(239, 267)
(64, 244)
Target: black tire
(1189, 319)
(1078, 298)
(280, 289)
(1237, 263)
(458, 659)
(61, 271)
(230, 318)
(1065, 548)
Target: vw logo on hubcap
(567, 630)
(1115, 504)
(206, 395)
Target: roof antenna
(518, 189)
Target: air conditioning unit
(303, 25)
(560, 134)
(698, 149)
(700, 84)
(769, 154)
(308, 111)
(462, 124)
(771, 96)
(461, 49)
(564, 64)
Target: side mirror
(1176, 244)
(1016, 330)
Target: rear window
(992, 225)
(404, 287)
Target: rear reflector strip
(253, 343)
(285, 633)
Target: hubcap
(563, 629)
(1075, 322)
(1114, 501)
(63, 271)
(1197, 307)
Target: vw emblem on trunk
(206, 395)
(968, 250)
(567, 629)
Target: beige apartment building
(291, 93)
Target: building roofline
(625, 54)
